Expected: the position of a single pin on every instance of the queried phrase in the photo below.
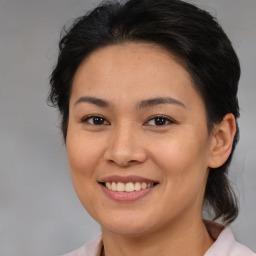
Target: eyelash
(85, 119)
(162, 117)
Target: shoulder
(92, 248)
(226, 245)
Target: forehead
(132, 71)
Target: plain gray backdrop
(39, 212)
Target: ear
(222, 141)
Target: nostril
(122, 162)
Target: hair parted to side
(189, 33)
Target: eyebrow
(143, 104)
(93, 100)
(158, 101)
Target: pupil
(98, 120)
(160, 121)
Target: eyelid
(86, 118)
(170, 120)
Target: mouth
(127, 187)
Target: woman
(147, 92)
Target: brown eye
(159, 121)
(95, 120)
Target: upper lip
(126, 179)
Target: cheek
(183, 164)
(183, 159)
(177, 150)
(84, 152)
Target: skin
(177, 154)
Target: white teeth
(113, 186)
(109, 185)
(137, 186)
(127, 187)
(120, 187)
(144, 185)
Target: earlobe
(222, 141)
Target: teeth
(109, 185)
(128, 187)
(120, 187)
(113, 186)
(137, 186)
(144, 185)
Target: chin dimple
(127, 187)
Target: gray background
(39, 211)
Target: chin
(126, 226)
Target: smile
(127, 187)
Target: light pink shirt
(224, 245)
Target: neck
(189, 238)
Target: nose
(125, 147)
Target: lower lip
(126, 196)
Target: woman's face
(137, 125)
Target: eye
(159, 121)
(95, 120)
